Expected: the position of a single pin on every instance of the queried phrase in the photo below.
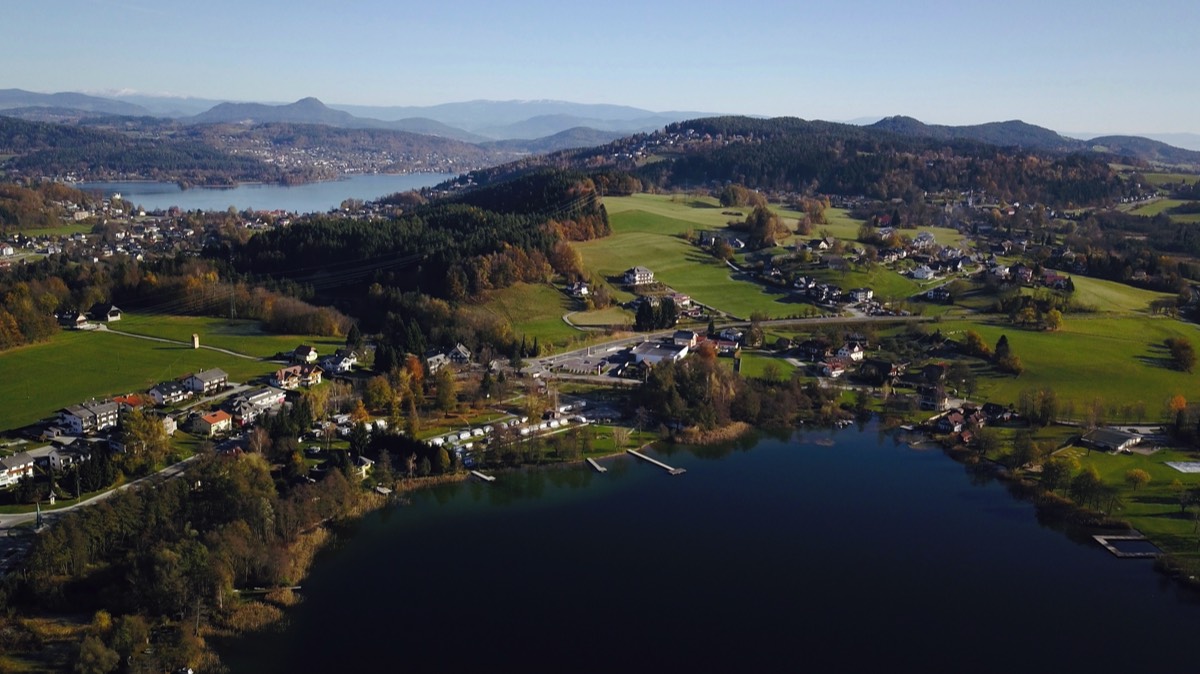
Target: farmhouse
(638, 276)
(105, 312)
(205, 382)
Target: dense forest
(791, 155)
(794, 155)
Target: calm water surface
(307, 198)
(823, 551)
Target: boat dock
(660, 464)
(481, 476)
(598, 467)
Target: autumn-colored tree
(1136, 478)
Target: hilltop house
(638, 276)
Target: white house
(637, 276)
(205, 382)
(15, 467)
(923, 273)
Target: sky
(1095, 66)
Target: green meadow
(242, 336)
(74, 366)
(1119, 360)
(652, 240)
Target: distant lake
(306, 198)
(821, 551)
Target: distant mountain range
(1016, 133)
(535, 126)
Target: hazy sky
(1096, 66)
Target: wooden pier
(1108, 540)
(598, 467)
(660, 464)
(481, 476)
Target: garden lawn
(1152, 509)
(74, 366)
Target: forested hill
(793, 155)
(488, 239)
(56, 149)
(1014, 133)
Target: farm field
(242, 336)
(1121, 361)
(650, 239)
(74, 366)
(1160, 179)
(1155, 207)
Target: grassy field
(75, 366)
(65, 229)
(651, 239)
(755, 365)
(242, 336)
(1160, 179)
(1153, 509)
(1118, 360)
(537, 310)
(1155, 207)
(1112, 297)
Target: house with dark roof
(108, 313)
(206, 382)
(1110, 439)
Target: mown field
(75, 366)
(1104, 296)
(242, 336)
(1119, 360)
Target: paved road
(172, 471)
(543, 366)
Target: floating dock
(598, 467)
(660, 464)
(481, 476)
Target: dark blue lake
(839, 551)
(307, 198)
